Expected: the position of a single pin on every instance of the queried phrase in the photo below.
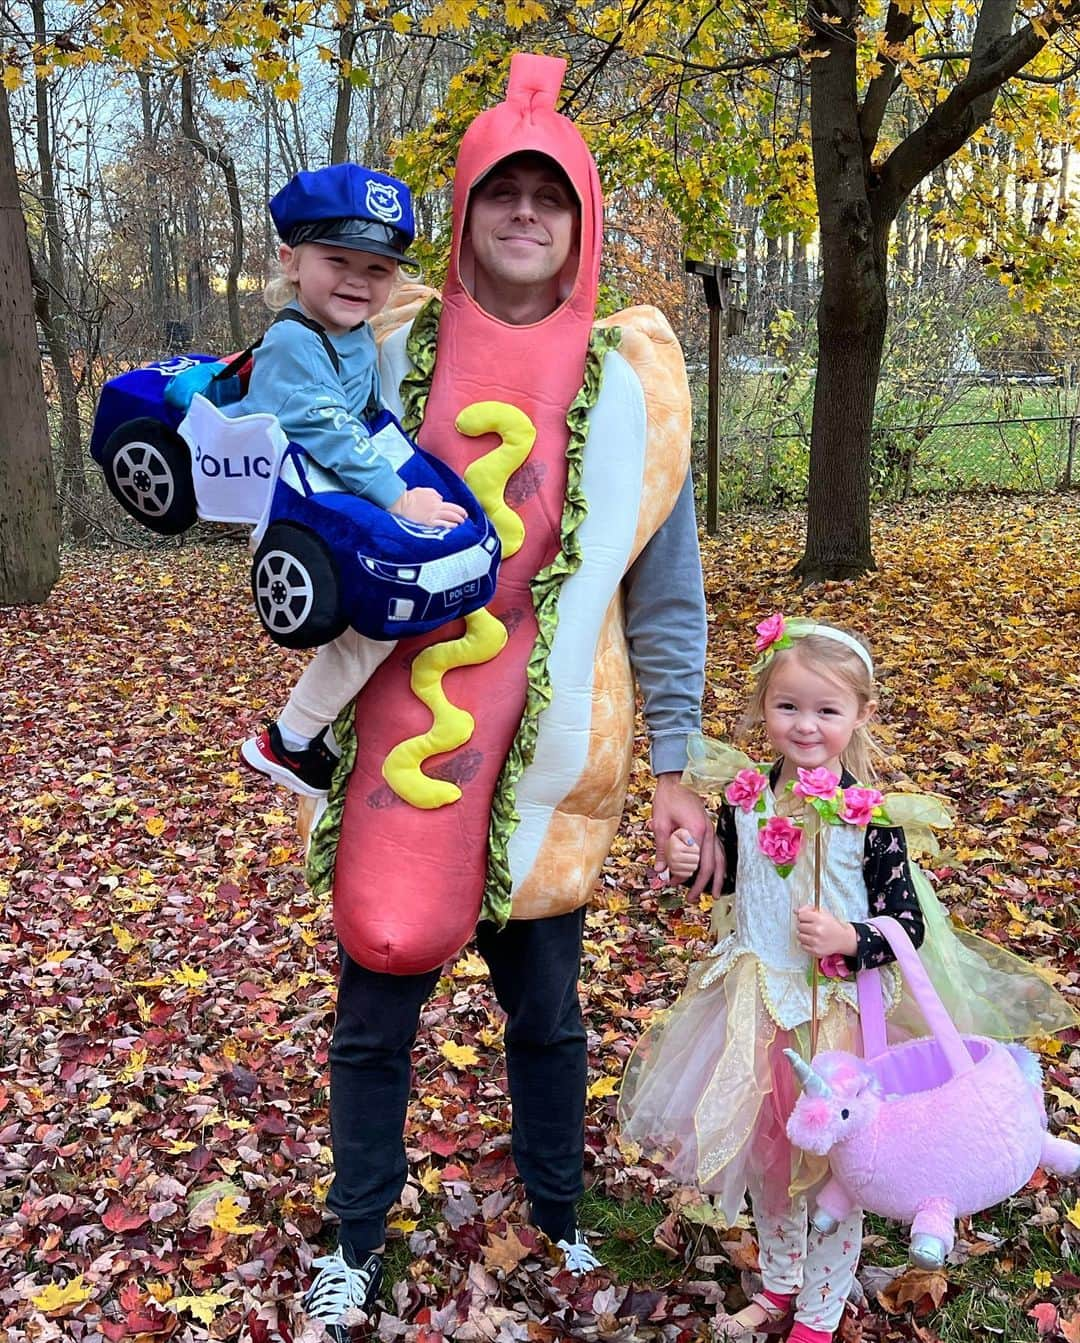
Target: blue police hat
(346, 205)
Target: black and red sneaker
(307, 771)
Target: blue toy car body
(325, 558)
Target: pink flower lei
(780, 838)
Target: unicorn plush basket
(927, 1130)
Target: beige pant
(819, 1270)
(335, 676)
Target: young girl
(709, 1084)
(344, 230)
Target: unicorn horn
(812, 1083)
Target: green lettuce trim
(545, 594)
(420, 347)
(415, 389)
(322, 851)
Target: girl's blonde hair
(830, 658)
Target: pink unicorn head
(841, 1096)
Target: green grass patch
(622, 1236)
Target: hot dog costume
(485, 766)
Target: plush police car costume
(492, 759)
(177, 441)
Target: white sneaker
(339, 1288)
(579, 1258)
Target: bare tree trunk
(800, 278)
(268, 233)
(852, 315)
(155, 258)
(339, 138)
(223, 160)
(29, 524)
(753, 283)
(770, 289)
(51, 305)
(195, 276)
(858, 201)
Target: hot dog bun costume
(490, 759)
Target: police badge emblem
(383, 201)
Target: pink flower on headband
(858, 805)
(745, 789)
(780, 841)
(769, 632)
(819, 782)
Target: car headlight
(393, 573)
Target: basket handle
(872, 1010)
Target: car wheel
(148, 470)
(294, 581)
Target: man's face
(522, 225)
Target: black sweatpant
(534, 966)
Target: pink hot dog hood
(528, 121)
(409, 877)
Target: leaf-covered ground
(167, 980)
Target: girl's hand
(684, 858)
(428, 507)
(683, 855)
(823, 934)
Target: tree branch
(726, 67)
(899, 26)
(997, 56)
(612, 47)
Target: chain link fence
(1013, 430)
(1026, 454)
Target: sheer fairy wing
(985, 987)
(918, 815)
(711, 764)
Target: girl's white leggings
(797, 1259)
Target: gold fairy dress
(708, 1091)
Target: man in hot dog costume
(484, 779)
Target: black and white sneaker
(307, 771)
(339, 1289)
(577, 1256)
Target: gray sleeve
(665, 627)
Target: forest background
(893, 181)
(167, 977)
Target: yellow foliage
(204, 1308)
(460, 1056)
(57, 1296)
(603, 1086)
(226, 1219)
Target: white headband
(776, 634)
(842, 637)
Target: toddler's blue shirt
(322, 409)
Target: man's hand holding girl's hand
(428, 507)
(823, 934)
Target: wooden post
(712, 458)
(719, 282)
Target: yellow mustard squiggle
(485, 636)
(487, 477)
